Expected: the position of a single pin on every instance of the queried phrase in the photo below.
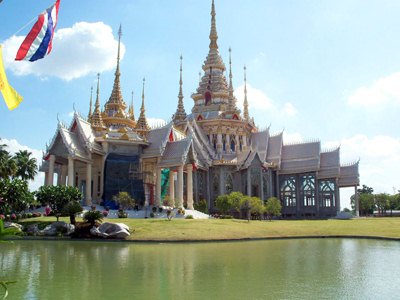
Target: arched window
(208, 97)
(214, 141)
(288, 191)
(228, 184)
(308, 190)
(327, 193)
(224, 142)
(232, 143)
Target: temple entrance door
(151, 200)
(255, 191)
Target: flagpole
(30, 22)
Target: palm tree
(26, 166)
(8, 166)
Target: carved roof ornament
(245, 102)
(232, 99)
(180, 114)
(90, 104)
(131, 110)
(96, 120)
(141, 125)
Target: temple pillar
(46, 178)
(180, 187)
(262, 185)
(146, 195)
(158, 187)
(50, 177)
(219, 142)
(357, 203)
(171, 187)
(64, 173)
(70, 171)
(244, 142)
(189, 186)
(88, 200)
(228, 144)
(237, 147)
(102, 169)
(248, 182)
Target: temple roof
(349, 175)
(177, 153)
(330, 164)
(303, 157)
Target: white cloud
(379, 159)
(154, 122)
(77, 51)
(13, 146)
(259, 101)
(383, 91)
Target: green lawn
(215, 229)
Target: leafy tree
(8, 166)
(124, 200)
(15, 195)
(246, 206)
(367, 204)
(58, 197)
(26, 165)
(273, 207)
(257, 207)
(382, 202)
(394, 201)
(365, 190)
(223, 204)
(236, 199)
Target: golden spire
(245, 102)
(180, 114)
(116, 102)
(90, 104)
(141, 124)
(213, 31)
(96, 119)
(131, 110)
(232, 100)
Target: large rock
(13, 225)
(56, 228)
(111, 230)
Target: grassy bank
(162, 229)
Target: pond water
(272, 269)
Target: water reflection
(286, 269)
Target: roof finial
(96, 119)
(90, 103)
(180, 114)
(131, 110)
(232, 103)
(245, 102)
(119, 48)
(97, 104)
(199, 76)
(142, 126)
(213, 32)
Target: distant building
(214, 150)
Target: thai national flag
(38, 42)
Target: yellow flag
(12, 98)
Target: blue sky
(327, 70)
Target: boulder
(111, 230)
(32, 229)
(13, 225)
(56, 228)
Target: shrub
(122, 214)
(105, 213)
(92, 216)
(189, 217)
(201, 206)
(160, 209)
(151, 215)
(154, 209)
(13, 217)
(2, 217)
(226, 217)
(167, 201)
(124, 200)
(181, 211)
(36, 215)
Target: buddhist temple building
(212, 150)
